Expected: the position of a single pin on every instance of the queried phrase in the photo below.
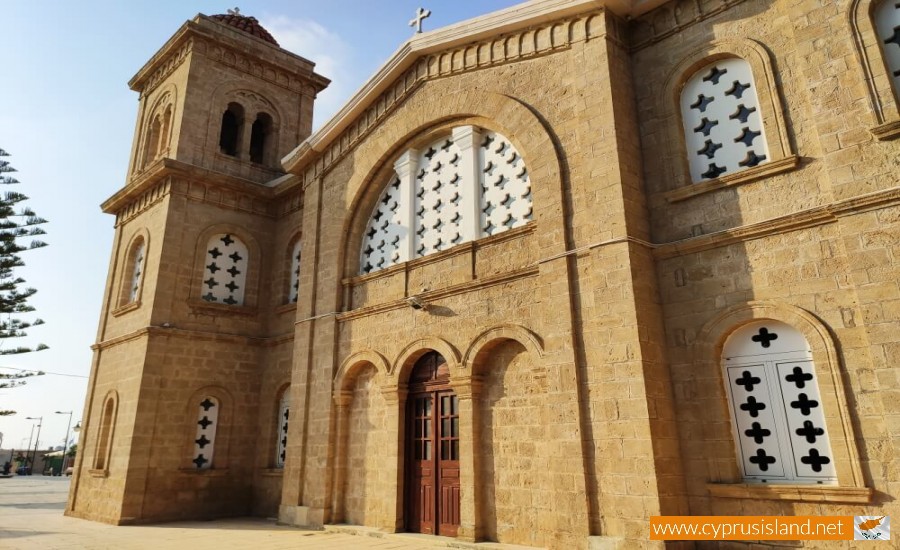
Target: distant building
(550, 272)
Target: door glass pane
(427, 451)
(454, 405)
(418, 450)
(445, 404)
(428, 428)
(445, 450)
(427, 406)
(454, 430)
(445, 427)
(454, 449)
(418, 429)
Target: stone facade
(585, 346)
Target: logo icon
(871, 528)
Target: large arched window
(723, 128)
(887, 26)
(261, 138)
(135, 263)
(776, 406)
(105, 435)
(462, 187)
(225, 270)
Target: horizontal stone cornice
(193, 335)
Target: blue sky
(67, 118)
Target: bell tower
(194, 292)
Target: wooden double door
(432, 449)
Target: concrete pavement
(31, 518)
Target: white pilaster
(406, 167)
(468, 139)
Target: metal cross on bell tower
(416, 22)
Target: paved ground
(31, 518)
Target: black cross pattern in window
(809, 431)
(709, 149)
(748, 381)
(815, 460)
(209, 297)
(747, 137)
(713, 171)
(765, 338)
(706, 126)
(805, 404)
(438, 166)
(371, 233)
(522, 173)
(742, 114)
(231, 286)
(212, 267)
(205, 422)
(430, 153)
(737, 89)
(714, 75)
(894, 38)
(799, 377)
(227, 240)
(762, 459)
(233, 271)
(487, 141)
(211, 282)
(489, 168)
(202, 442)
(757, 432)
(235, 257)
(207, 404)
(446, 146)
(215, 253)
(752, 406)
(752, 159)
(701, 103)
(200, 461)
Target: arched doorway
(432, 449)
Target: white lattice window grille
(207, 423)
(137, 271)
(462, 187)
(225, 270)
(723, 129)
(776, 406)
(284, 411)
(294, 290)
(887, 27)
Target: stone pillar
(406, 167)
(395, 402)
(467, 390)
(342, 400)
(468, 139)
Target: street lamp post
(37, 440)
(65, 443)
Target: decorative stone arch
(403, 365)
(126, 266)
(254, 264)
(223, 430)
(487, 110)
(882, 96)
(497, 335)
(771, 108)
(109, 412)
(706, 356)
(252, 102)
(346, 372)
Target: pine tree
(16, 226)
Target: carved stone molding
(144, 201)
(672, 18)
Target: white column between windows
(406, 167)
(468, 139)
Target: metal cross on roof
(416, 22)
(235, 11)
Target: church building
(549, 272)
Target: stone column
(342, 400)
(467, 390)
(395, 401)
(468, 139)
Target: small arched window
(284, 412)
(232, 128)
(104, 436)
(723, 129)
(887, 26)
(154, 134)
(225, 270)
(776, 406)
(261, 138)
(135, 264)
(463, 187)
(207, 425)
(294, 284)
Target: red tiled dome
(247, 24)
